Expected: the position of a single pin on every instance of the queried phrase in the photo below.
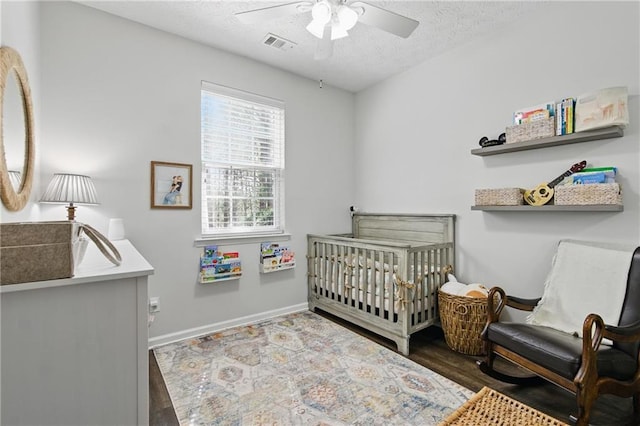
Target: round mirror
(17, 146)
(13, 126)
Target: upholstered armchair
(602, 357)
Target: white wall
(415, 132)
(117, 95)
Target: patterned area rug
(301, 369)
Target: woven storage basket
(530, 131)
(499, 197)
(463, 318)
(588, 194)
(489, 407)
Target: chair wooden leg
(585, 399)
(491, 356)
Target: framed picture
(171, 186)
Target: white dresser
(75, 351)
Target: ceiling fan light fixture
(321, 12)
(338, 31)
(316, 28)
(347, 17)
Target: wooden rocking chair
(581, 365)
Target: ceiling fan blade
(385, 19)
(272, 12)
(324, 48)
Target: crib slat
(431, 259)
(328, 269)
(365, 286)
(346, 275)
(323, 269)
(416, 267)
(354, 262)
(391, 308)
(378, 289)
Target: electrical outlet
(154, 304)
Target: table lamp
(67, 188)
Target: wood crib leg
(403, 345)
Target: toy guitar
(543, 193)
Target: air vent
(278, 42)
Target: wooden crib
(385, 275)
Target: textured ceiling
(366, 57)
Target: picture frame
(171, 185)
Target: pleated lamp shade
(68, 188)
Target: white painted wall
(415, 132)
(117, 95)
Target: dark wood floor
(429, 349)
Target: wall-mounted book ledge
(604, 133)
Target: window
(242, 137)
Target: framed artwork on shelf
(171, 185)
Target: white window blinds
(242, 137)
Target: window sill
(240, 239)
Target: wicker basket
(499, 197)
(588, 194)
(489, 407)
(463, 319)
(530, 131)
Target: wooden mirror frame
(10, 61)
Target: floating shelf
(553, 208)
(266, 269)
(604, 133)
(221, 277)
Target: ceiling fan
(332, 19)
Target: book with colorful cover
(559, 115)
(534, 113)
(211, 251)
(273, 257)
(564, 116)
(215, 265)
(596, 175)
(568, 106)
(592, 177)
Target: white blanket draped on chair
(585, 277)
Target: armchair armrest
(495, 304)
(498, 299)
(626, 333)
(522, 304)
(594, 330)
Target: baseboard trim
(219, 326)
